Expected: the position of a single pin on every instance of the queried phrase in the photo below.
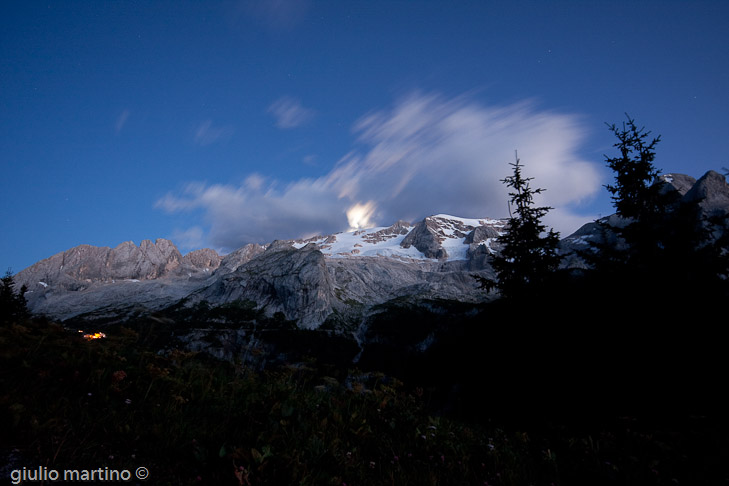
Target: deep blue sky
(220, 123)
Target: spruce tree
(639, 198)
(660, 244)
(635, 194)
(529, 255)
(13, 305)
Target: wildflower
(242, 474)
(118, 376)
(128, 401)
(372, 464)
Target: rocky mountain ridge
(710, 192)
(339, 276)
(85, 264)
(306, 280)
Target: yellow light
(96, 335)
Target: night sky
(217, 124)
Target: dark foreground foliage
(119, 403)
(13, 305)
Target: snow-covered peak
(378, 241)
(451, 233)
(473, 222)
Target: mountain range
(337, 278)
(307, 280)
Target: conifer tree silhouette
(529, 255)
(13, 305)
(659, 244)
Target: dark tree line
(661, 245)
(13, 306)
(658, 245)
(636, 325)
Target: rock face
(203, 258)
(87, 264)
(73, 280)
(710, 192)
(240, 257)
(280, 279)
(308, 281)
(296, 281)
(340, 277)
(429, 235)
(680, 183)
(345, 274)
(426, 240)
(146, 261)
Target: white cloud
(189, 239)
(206, 133)
(289, 112)
(425, 155)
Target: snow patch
(384, 241)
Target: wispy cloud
(289, 112)
(206, 133)
(278, 15)
(121, 121)
(189, 239)
(425, 155)
(310, 159)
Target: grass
(120, 403)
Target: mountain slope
(306, 280)
(87, 278)
(343, 275)
(339, 276)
